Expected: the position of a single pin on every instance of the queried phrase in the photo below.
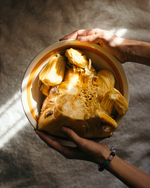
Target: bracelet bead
(101, 167)
(110, 157)
(113, 153)
(106, 162)
(113, 149)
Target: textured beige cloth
(26, 28)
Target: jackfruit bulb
(53, 73)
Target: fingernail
(63, 129)
(81, 38)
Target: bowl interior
(32, 97)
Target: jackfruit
(105, 80)
(53, 73)
(76, 57)
(73, 77)
(45, 89)
(83, 101)
(115, 99)
(107, 121)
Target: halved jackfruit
(83, 101)
(69, 110)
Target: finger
(51, 143)
(85, 145)
(87, 32)
(71, 135)
(81, 32)
(73, 35)
(97, 36)
(68, 152)
(90, 38)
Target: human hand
(106, 39)
(86, 149)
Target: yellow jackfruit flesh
(45, 89)
(72, 77)
(107, 103)
(76, 57)
(114, 98)
(107, 120)
(83, 101)
(120, 104)
(106, 77)
(105, 80)
(53, 73)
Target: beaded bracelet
(111, 156)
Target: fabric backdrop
(26, 28)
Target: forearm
(128, 174)
(136, 51)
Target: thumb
(71, 135)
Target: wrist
(103, 157)
(128, 50)
(135, 51)
(122, 50)
(131, 50)
(119, 49)
(107, 160)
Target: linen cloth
(28, 27)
